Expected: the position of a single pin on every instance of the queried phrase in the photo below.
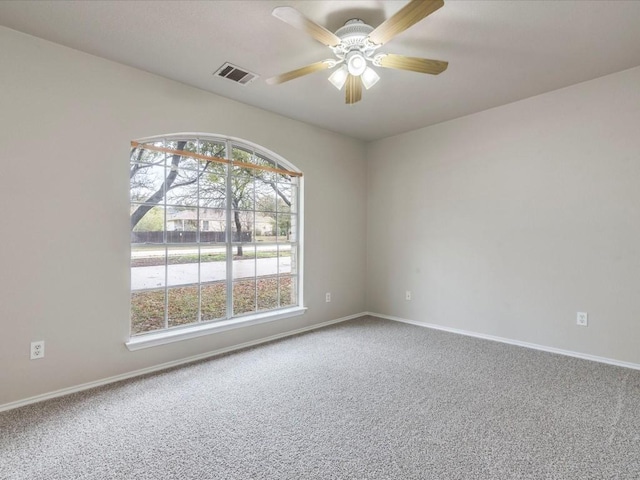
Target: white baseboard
(164, 366)
(544, 348)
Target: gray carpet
(365, 399)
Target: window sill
(170, 336)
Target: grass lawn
(147, 308)
(205, 257)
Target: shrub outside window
(214, 232)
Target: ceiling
(498, 51)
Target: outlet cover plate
(37, 350)
(582, 319)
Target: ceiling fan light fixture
(369, 77)
(339, 77)
(356, 63)
(355, 44)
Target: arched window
(215, 233)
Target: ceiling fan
(355, 45)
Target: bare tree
(142, 179)
(206, 183)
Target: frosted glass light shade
(369, 78)
(339, 77)
(356, 63)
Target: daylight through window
(214, 232)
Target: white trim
(535, 346)
(300, 242)
(163, 366)
(169, 336)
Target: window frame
(169, 334)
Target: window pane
(267, 260)
(182, 187)
(285, 197)
(294, 259)
(213, 300)
(149, 223)
(265, 227)
(212, 149)
(147, 267)
(182, 268)
(285, 178)
(267, 293)
(147, 311)
(145, 180)
(287, 227)
(264, 161)
(240, 154)
(288, 289)
(244, 296)
(140, 155)
(295, 193)
(242, 226)
(183, 162)
(182, 224)
(213, 225)
(183, 305)
(242, 189)
(265, 188)
(213, 264)
(213, 185)
(284, 259)
(244, 262)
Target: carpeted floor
(365, 399)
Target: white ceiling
(498, 51)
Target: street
(185, 274)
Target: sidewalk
(185, 274)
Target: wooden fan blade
(407, 16)
(353, 90)
(294, 18)
(285, 77)
(415, 64)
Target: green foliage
(153, 221)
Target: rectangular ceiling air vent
(236, 74)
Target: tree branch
(191, 182)
(155, 198)
(139, 166)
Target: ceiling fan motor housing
(354, 31)
(353, 36)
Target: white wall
(65, 125)
(509, 221)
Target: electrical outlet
(582, 319)
(407, 295)
(327, 297)
(37, 350)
